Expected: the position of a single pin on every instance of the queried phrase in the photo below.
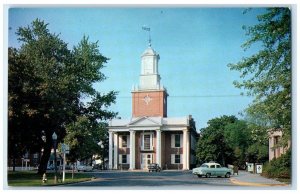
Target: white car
(212, 169)
(84, 168)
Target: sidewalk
(248, 179)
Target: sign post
(250, 167)
(259, 168)
(65, 150)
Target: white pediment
(146, 121)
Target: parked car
(212, 169)
(154, 167)
(84, 168)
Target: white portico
(140, 141)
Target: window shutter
(128, 141)
(151, 141)
(181, 158)
(172, 141)
(128, 159)
(120, 158)
(181, 142)
(142, 141)
(172, 158)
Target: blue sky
(195, 46)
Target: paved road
(153, 180)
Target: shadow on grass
(31, 178)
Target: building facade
(149, 136)
(276, 151)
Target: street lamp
(54, 138)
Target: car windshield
(204, 166)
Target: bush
(279, 167)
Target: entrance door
(145, 160)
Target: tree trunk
(14, 163)
(45, 157)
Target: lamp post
(54, 138)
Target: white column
(188, 150)
(110, 148)
(116, 151)
(184, 150)
(132, 150)
(158, 147)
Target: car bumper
(198, 173)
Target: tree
(238, 137)
(258, 147)
(267, 74)
(51, 87)
(228, 140)
(211, 144)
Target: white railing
(19, 168)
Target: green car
(212, 169)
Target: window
(124, 141)
(212, 166)
(124, 159)
(147, 142)
(177, 159)
(177, 140)
(276, 140)
(218, 166)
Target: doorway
(145, 160)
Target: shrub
(279, 167)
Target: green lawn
(31, 178)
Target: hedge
(279, 167)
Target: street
(174, 179)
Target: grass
(284, 180)
(31, 178)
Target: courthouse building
(149, 136)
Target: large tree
(237, 136)
(267, 74)
(211, 144)
(49, 87)
(248, 141)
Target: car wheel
(208, 175)
(227, 175)
(199, 176)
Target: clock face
(147, 99)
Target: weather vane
(147, 29)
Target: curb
(241, 183)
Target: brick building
(149, 136)
(276, 151)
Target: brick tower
(149, 98)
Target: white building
(150, 136)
